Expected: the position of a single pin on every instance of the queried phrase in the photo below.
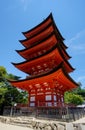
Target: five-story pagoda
(46, 63)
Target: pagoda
(46, 64)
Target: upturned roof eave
(53, 22)
(47, 53)
(60, 66)
(49, 16)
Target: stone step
(79, 126)
(82, 127)
(42, 124)
(21, 124)
(69, 126)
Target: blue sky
(18, 16)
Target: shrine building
(46, 64)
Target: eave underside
(29, 42)
(51, 60)
(38, 38)
(58, 80)
(42, 48)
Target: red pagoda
(46, 64)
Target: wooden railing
(66, 113)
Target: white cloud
(81, 78)
(80, 48)
(77, 43)
(25, 4)
(76, 37)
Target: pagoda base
(66, 113)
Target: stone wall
(42, 124)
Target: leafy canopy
(9, 94)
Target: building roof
(46, 44)
(55, 55)
(47, 69)
(37, 29)
(58, 75)
(28, 42)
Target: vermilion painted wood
(46, 60)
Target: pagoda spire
(40, 27)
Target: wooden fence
(58, 113)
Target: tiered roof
(35, 51)
(58, 76)
(46, 60)
(51, 59)
(40, 27)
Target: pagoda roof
(29, 42)
(40, 27)
(58, 75)
(54, 55)
(30, 53)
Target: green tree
(76, 96)
(9, 94)
(3, 71)
(79, 91)
(71, 98)
(2, 94)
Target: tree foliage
(76, 96)
(10, 95)
(2, 94)
(71, 98)
(3, 71)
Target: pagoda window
(47, 69)
(39, 53)
(48, 97)
(57, 84)
(48, 93)
(45, 84)
(62, 99)
(33, 68)
(33, 94)
(35, 72)
(61, 86)
(44, 51)
(55, 103)
(38, 85)
(54, 93)
(40, 93)
(45, 65)
(41, 70)
(49, 103)
(40, 89)
(32, 104)
(32, 90)
(30, 86)
(55, 99)
(48, 88)
(32, 98)
(39, 67)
